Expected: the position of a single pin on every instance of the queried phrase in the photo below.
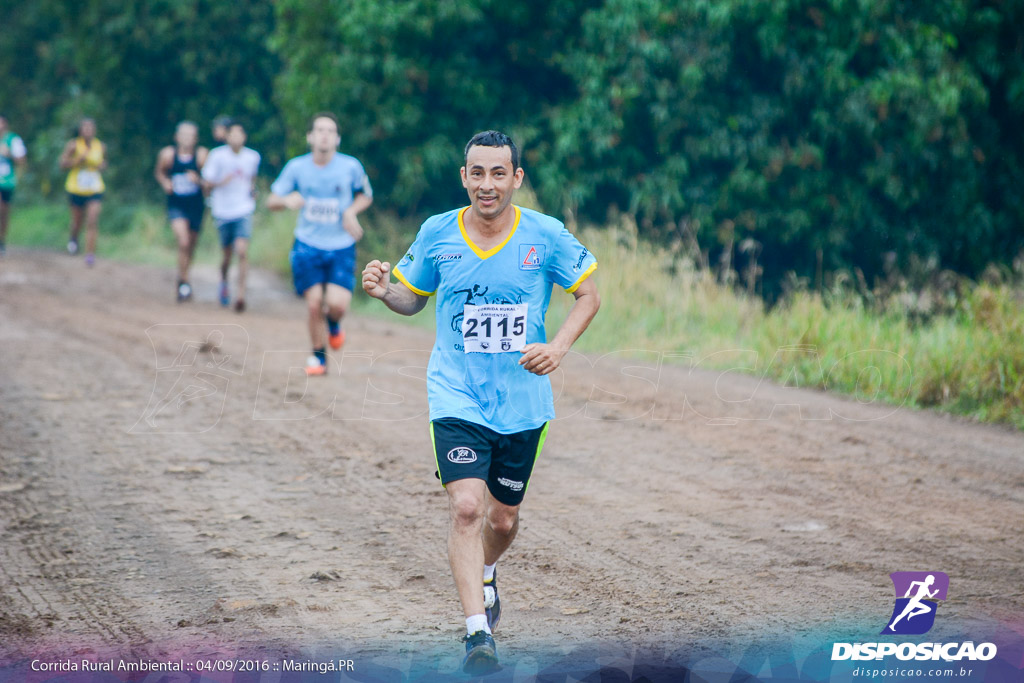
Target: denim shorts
(236, 228)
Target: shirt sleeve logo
(579, 262)
(531, 256)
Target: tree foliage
(817, 134)
(412, 80)
(854, 128)
(849, 131)
(138, 68)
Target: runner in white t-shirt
(229, 173)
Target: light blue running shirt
(328, 191)
(489, 305)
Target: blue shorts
(191, 211)
(194, 218)
(312, 266)
(234, 229)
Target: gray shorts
(236, 228)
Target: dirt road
(170, 483)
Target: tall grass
(967, 359)
(654, 298)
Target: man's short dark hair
(231, 123)
(492, 138)
(222, 120)
(323, 115)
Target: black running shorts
(465, 450)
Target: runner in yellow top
(85, 157)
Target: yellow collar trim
(493, 250)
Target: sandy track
(157, 496)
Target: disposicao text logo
(917, 596)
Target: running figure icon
(916, 606)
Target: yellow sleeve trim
(417, 290)
(584, 276)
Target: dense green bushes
(794, 136)
(820, 135)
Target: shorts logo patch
(514, 485)
(461, 456)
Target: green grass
(968, 360)
(141, 234)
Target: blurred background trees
(808, 135)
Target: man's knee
(466, 507)
(503, 522)
(335, 311)
(315, 306)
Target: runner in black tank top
(177, 171)
(187, 194)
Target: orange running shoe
(336, 340)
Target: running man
(493, 265)
(916, 606)
(12, 160)
(230, 174)
(330, 190)
(177, 171)
(85, 158)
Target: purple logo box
(940, 582)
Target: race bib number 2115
(494, 328)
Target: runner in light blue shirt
(474, 373)
(492, 267)
(329, 190)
